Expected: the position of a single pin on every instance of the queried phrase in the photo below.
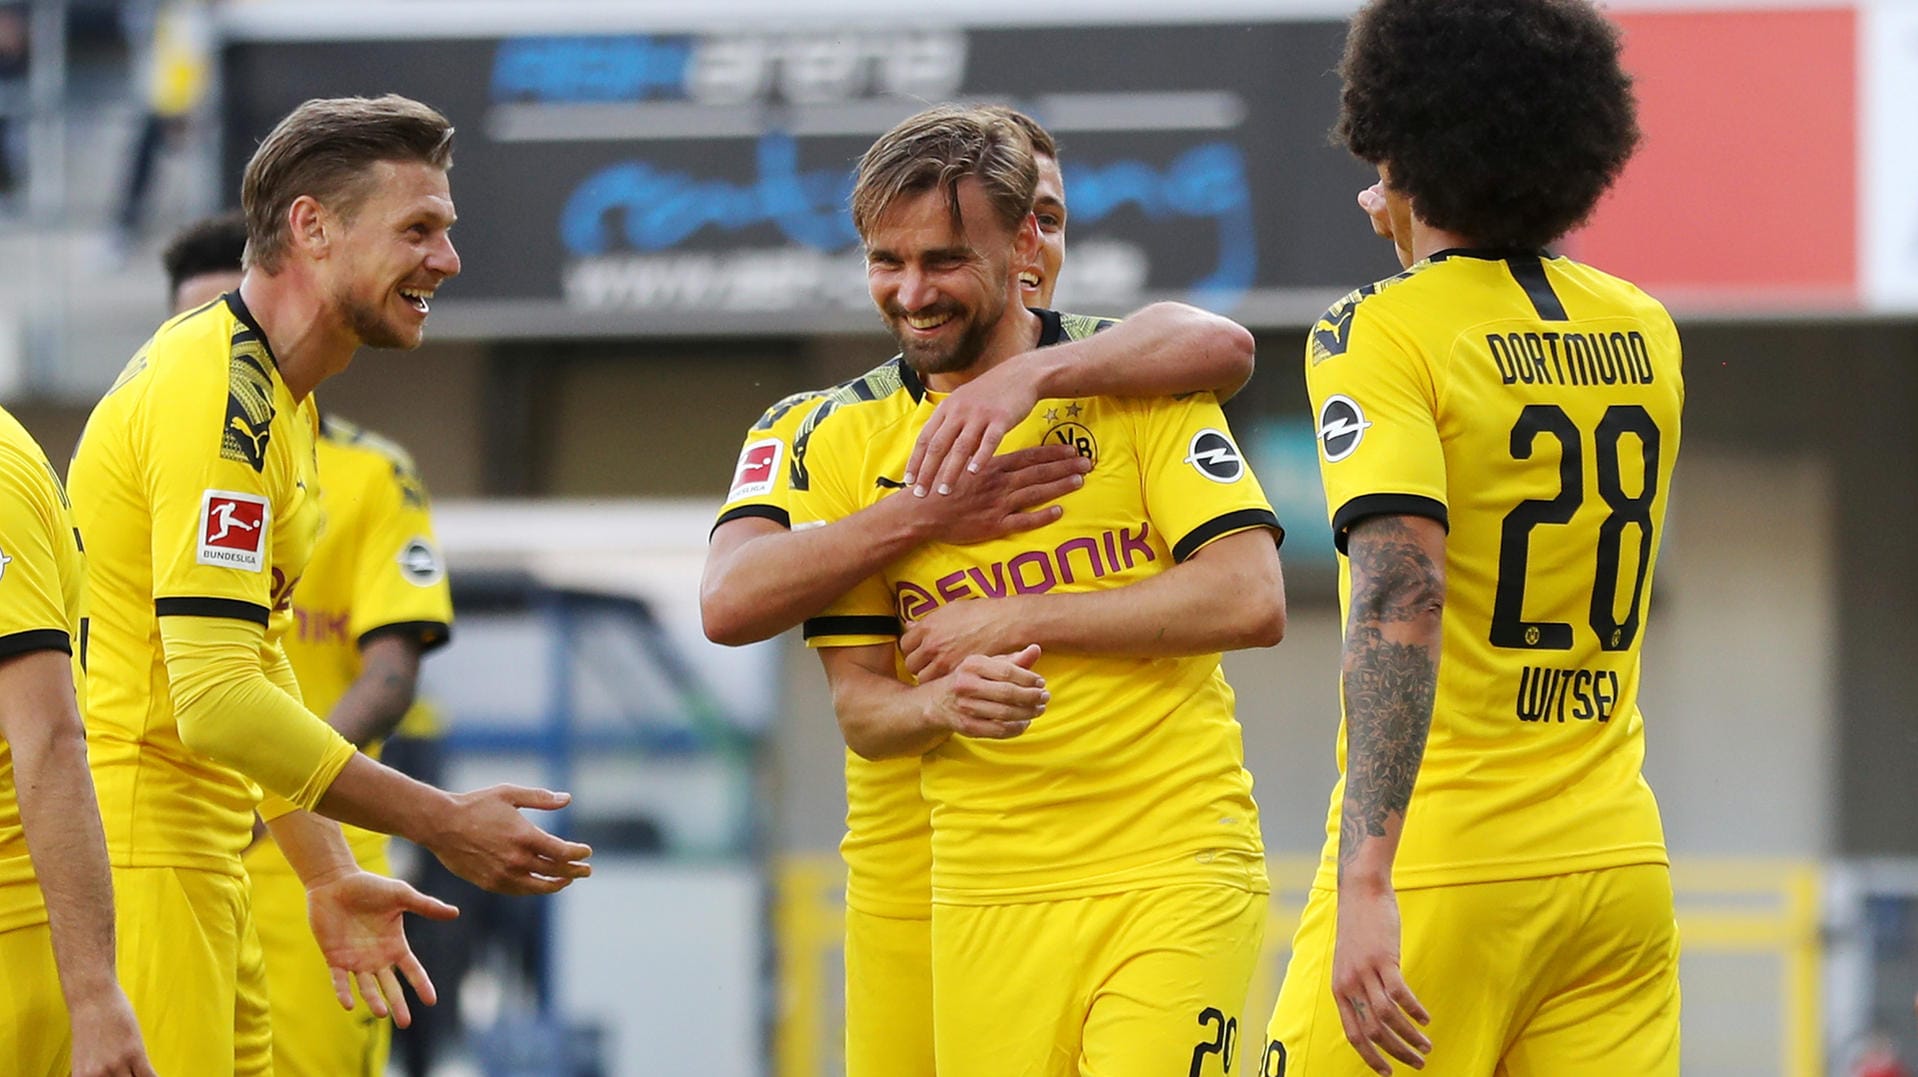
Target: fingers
(1353, 1017)
(915, 463)
(395, 998)
(342, 988)
(430, 907)
(1381, 1020)
(957, 457)
(143, 1068)
(1025, 657)
(981, 729)
(415, 974)
(520, 796)
(937, 439)
(370, 991)
(568, 856)
(1031, 521)
(988, 444)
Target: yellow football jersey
(1532, 404)
(888, 842)
(42, 590)
(1135, 775)
(196, 487)
(377, 569)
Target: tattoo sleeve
(1390, 676)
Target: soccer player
(196, 483)
(372, 602)
(1098, 883)
(754, 564)
(61, 1008)
(1497, 430)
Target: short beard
(964, 353)
(371, 329)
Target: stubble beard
(928, 359)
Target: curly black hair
(1501, 120)
(212, 245)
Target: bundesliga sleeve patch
(758, 463)
(1213, 455)
(233, 529)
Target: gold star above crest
(1073, 409)
(1052, 415)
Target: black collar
(253, 331)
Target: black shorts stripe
(231, 608)
(1219, 525)
(431, 635)
(1529, 271)
(765, 512)
(35, 639)
(851, 626)
(1385, 505)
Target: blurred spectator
(13, 93)
(1879, 1059)
(178, 64)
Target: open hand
(934, 645)
(967, 426)
(1004, 496)
(356, 919)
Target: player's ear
(1025, 241)
(308, 225)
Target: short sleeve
(865, 614)
(761, 483)
(33, 608)
(1376, 411)
(1198, 486)
(399, 584)
(203, 441)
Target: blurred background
(651, 196)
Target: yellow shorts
(313, 1035)
(1143, 984)
(191, 966)
(1565, 976)
(35, 1039)
(888, 996)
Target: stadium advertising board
(632, 182)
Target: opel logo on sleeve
(1213, 455)
(1342, 426)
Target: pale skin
(342, 283)
(1389, 677)
(976, 680)
(40, 721)
(760, 579)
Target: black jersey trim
(1490, 254)
(909, 378)
(765, 512)
(240, 311)
(1529, 272)
(1239, 520)
(431, 635)
(35, 639)
(1367, 505)
(850, 626)
(1052, 328)
(231, 608)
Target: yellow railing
(1728, 907)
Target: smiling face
(394, 252)
(1036, 282)
(943, 289)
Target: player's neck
(308, 341)
(1016, 333)
(1428, 241)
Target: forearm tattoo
(1389, 686)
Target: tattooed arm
(1389, 677)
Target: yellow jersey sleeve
(210, 482)
(1197, 485)
(36, 538)
(762, 484)
(399, 582)
(831, 491)
(1377, 404)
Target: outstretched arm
(994, 697)
(41, 724)
(1390, 679)
(1228, 596)
(1163, 350)
(760, 579)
